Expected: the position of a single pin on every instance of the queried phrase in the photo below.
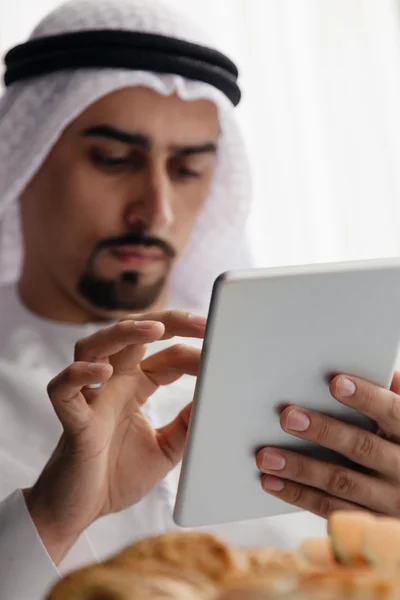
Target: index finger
(177, 323)
(115, 338)
(379, 404)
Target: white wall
(321, 82)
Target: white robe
(32, 351)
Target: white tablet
(276, 336)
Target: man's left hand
(321, 487)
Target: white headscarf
(34, 113)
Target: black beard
(123, 294)
(126, 293)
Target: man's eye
(188, 173)
(103, 160)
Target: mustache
(137, 239)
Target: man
(122, 190)
(133, 193)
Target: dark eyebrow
(112, 133)
(138, 139)
(208, 148)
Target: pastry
(359, 560)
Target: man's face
(118, 196)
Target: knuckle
(325, 505)
(340, 483)
(80, 347)
(175, 316)
(364, 446)
(322, 432)
(52, 387)
(70, 374)
(65, 378)
(296, 495)
(394, 409)
(396, 506)
(394, 464)
(298, 468)
(169, 315)
(367, 397)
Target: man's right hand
(109, 456)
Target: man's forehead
(152, 114)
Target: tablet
(277, 336)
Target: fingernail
(96, 367)
(145, 324)
(273, 484)
(272, 461)
(297, 421)
(345, 387)
(198, 320)
(94, 386)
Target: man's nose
(154, 205)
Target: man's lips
(137, 254)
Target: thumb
(172, 437)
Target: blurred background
(320, 114)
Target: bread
(319, 551)
(347, 532)
(381, 543)
(359, 560)
(112, 583)
(190, 552)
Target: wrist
(56, 535)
